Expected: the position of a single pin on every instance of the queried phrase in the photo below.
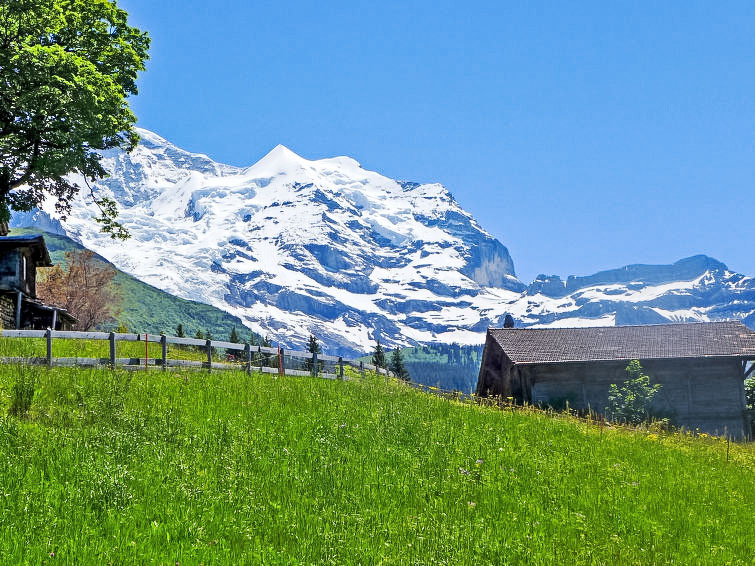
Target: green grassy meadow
(152, 467)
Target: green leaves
(66, 68)
(632, 401)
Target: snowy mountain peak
(295, 246)
(279, 160)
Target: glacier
(295, 246)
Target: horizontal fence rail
(238, 355)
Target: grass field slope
(227, 468)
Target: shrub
(631, 401)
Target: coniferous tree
(271, 359)
(313, 347)
(234, 336)
(180, 331)
(397, 365)
(378, 356)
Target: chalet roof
(691, 340)
(35, 243)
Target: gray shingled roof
(692, 340)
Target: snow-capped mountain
(294, 246)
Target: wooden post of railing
(209, 354)
(164, 345)
(48, 336)
(314, 364)
(259, 357)
(248, 352)
(281, 367)
(111, 337)
(340, 367)
(361, 369)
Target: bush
(750, 393)
(631, 402)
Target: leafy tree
(234, 336)
(378, 356)
(397, 365)
(84, 288)
(631, 402)
(180, 331)
(67, 68)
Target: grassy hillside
(148, 309)
(225, 468)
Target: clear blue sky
(585, 136)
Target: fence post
(111, 337)
(314, 364)
(259, 357)
(361, 369)
(48, 335)
(209, 354)
(164, 344)
(340, 367)
(281, 368)
(248, 352)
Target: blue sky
(585, 136)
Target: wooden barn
(701, 367)
(20, 256)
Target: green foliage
(225, 468)
(397, 366)
(66, 70)
(750, 393)
(631, 402)
(446, 366)
(378, 356)
(180, 331)
(234, 336)
(313, 347)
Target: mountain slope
(293, 246)
(148, 309)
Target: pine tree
(378, 356)
(199, 335)
(313, 347)
(234, 337)
(180, 331)
(397, 365)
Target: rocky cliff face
(294, 246)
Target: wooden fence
(239, 356)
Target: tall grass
(225, 468)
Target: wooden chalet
(20, 256)
(701, 367)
